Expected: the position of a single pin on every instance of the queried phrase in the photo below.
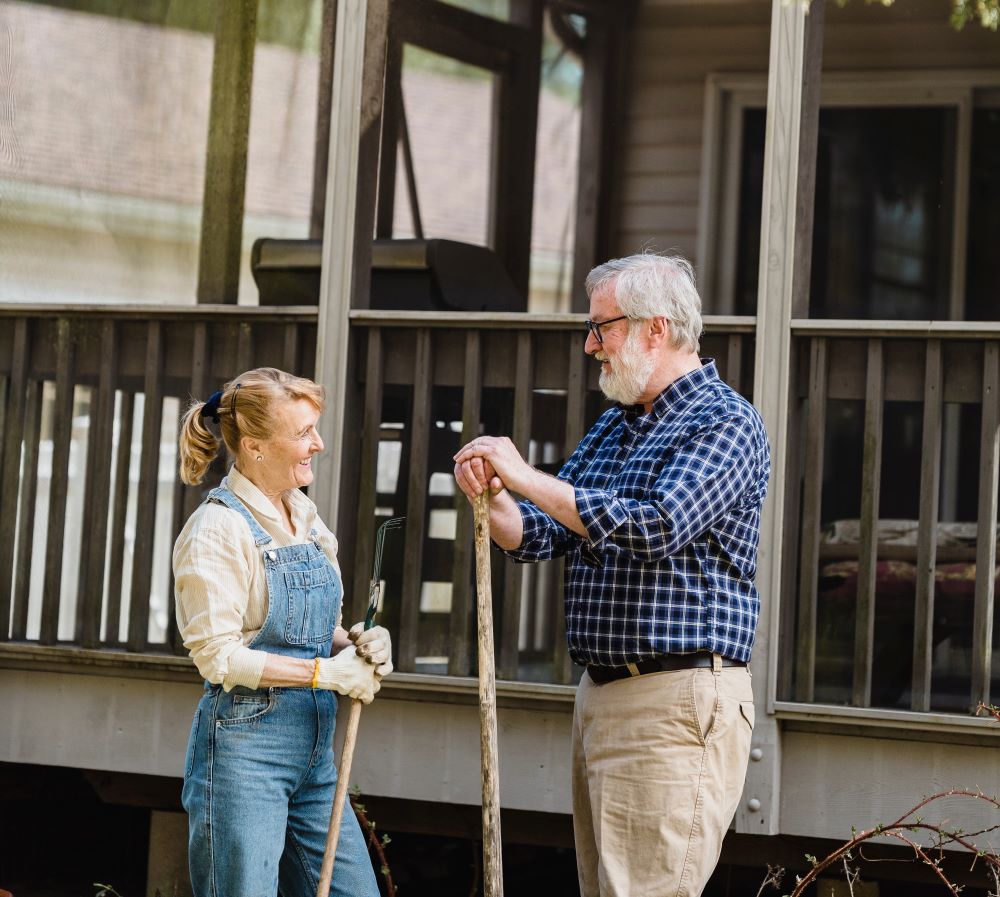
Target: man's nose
(592, 344)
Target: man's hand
(494, 462)
(491, 462)
(485, 464)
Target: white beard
(630, 372)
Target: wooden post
(356, 108)
(490, 760)
(758, 810)
(226, 165)
(512, 181)
(321, 160)
(604, 55)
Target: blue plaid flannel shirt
(671, 503)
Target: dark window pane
(882, 230)
(983, 274)
(751, 196)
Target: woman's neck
(275, 497)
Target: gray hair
(649, 286)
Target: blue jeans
(259, 778)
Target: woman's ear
(250, 446)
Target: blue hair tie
(211, 408)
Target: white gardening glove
(375, 645)
(349, 674)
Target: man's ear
(659, 330)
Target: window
(904, 172)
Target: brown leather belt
(665, 663)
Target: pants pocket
(192, 743)
(244, 709)
(747, 712)
(706, 704)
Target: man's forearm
(506, 525)
(555, 497)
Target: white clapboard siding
(676, 44)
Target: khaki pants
(659, 763)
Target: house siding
(676, 45)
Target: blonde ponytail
(198, 446)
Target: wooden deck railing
(90, 502)
(899, 613)
(89, 404)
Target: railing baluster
(930, 482)
(149, 466)
(94, 549)
(187, 498)
(83, 562)
(10, 468)
(364, 546)
(4, 399)
(416, 501)
(126, 414)
(986, 533)
(26, 517)
(62, 432)
(576, 401)
(812, 495)
(462, 599)
(510, 613)
(734, 361)
(177, 518)
(871, 471)
(290, 350)
(244, 348)
(201, 389)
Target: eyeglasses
(595, 327)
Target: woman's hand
(349, 674)
(374, 645)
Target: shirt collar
(679, 391)
(243, 488)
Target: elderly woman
(258, 594)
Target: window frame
(728, 95)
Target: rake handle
(339, 799)
(489, 754)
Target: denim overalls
(259, 774)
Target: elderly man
(657, 512)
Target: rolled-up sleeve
(212, 582)
(542, 537)
(707, 477)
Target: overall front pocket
(237, 709)
(313, 601)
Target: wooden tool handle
(339, 799)
(490, 759)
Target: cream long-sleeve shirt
(220, 585)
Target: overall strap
(222, 496)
